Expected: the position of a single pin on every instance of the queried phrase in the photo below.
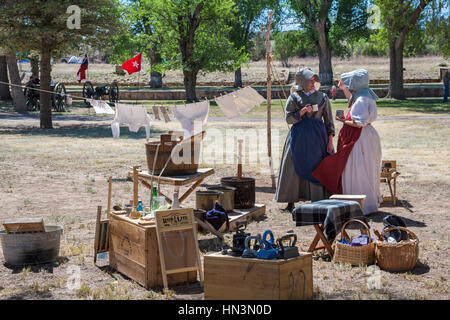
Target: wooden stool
(389, 173)
(320, 236)
(360, 198)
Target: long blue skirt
(309, 142)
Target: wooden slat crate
(234, 278)
(133, 251)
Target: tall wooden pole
(269, 58)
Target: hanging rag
(156, 112)
(133, 116)
(165, 113)
(193, 117)
(100, 107)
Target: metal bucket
(228, 196)
(245, 191)
(31, 248)
(205, 200)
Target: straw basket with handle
(355, 255)
(400, 256)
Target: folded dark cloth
(217, 216)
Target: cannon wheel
(31, 99)
(60, 99)
(88, 92)
(113, 93)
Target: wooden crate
(134, 252)
(231, 278)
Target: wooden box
(236, 278)
(134, 252)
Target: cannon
(112, 90)
(32, 96)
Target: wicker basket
(355, 255)
(401, 256)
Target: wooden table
(192, 180)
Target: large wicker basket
(401, 256)
(355, 255)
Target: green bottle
(152, 199)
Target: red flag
(133, 65)
(81, 74)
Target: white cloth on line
(250, 94)
(227, 104)
(193, 117)
(239, 102)
(100, 106)
(363, 169)
(156, 112)
(132, 115)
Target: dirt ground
(61, 175)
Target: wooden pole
(269, 58)
(109, 195)
(239, 172)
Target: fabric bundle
(132, 115)
(101, 107)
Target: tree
(193, 37)
(292, 43)
(246, 19)
(329, 23)
(51, 27)
(138, 37)
(398, 18)
(4, 89)
(16, 92)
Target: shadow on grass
(84, 131)
(379, 216)
(37, 268)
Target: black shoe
(289, 207)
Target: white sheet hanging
(239, 102)
(100, 106)
(251, 94)
(227, 104)
(132, 115)
(193, 117)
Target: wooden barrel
(228, 196)
(174, 167)
(31, 248)
(205, 200)
(245, 191)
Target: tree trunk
(45, 97)
(156, 78)
(16, 92)
(34, 62)
(4, 89)
(238, 78)
(324, 48)
(396, 89)
(190, 82)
